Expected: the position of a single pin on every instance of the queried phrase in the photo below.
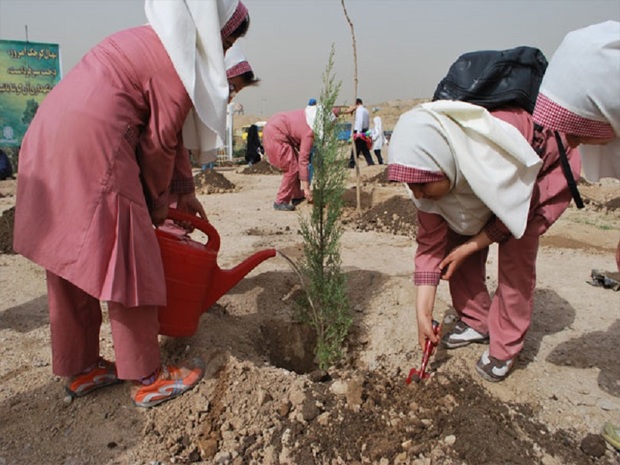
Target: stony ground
(263, 401)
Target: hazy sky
(404, 47)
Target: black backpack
(495, 78)
(502, 78)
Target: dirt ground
(263, 401)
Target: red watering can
(194, 281)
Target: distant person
(288, 139)
(254, 150)
(378, 138)
(361, 137)
(101, 161)
(6, 169)
(477, 178)
(580, 95)
(239, 74)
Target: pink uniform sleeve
(432, 239)
(161, 150)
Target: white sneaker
(462, 335)
(493, 369)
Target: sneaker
(171, 382)
(462, 335)
(296, 202)
(493, 369)
(283, 207)
(101, 375)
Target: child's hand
(426, 331)
(188, 203)
(159, 215)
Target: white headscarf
(191, 33)
(581, 87)
(311, 114)
(377, 133)
(235, 61)
(491, 167)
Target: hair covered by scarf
(580, 95)
(491, 167)
(191, 32)
(580, 92)
(236, 62)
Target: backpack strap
(568, 174)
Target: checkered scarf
(236, 62)
(191, 32)
(580, 94)
(491, 167)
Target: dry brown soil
(263, 401)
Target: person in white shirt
(360, 134)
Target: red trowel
(429, 348)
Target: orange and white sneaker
(171, 382)
(101, 375)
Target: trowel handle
(213, 242)
(429, 346)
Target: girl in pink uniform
(580, 95)
(479, 178)
(104, 156)
(288, 139)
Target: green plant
(327, 310)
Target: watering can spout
(194, 281)
(224, 280)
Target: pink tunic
(288, 139)
(285, 134)
(106, 139)
(507, 315)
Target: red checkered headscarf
(580, 92)
(411, 175)
(236, 62)
(191, 31)
(554, 116)
(239, 15)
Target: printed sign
(28, 72)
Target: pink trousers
(507, 316)
(75, 323)
(284, 157)
(290, 187)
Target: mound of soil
(397, 215)
(263, 402)
(379, 178)
(212, 182)
(354, 417)
(262, 167)
(7, 220)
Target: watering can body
(194, 281)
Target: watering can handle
(214, 237)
